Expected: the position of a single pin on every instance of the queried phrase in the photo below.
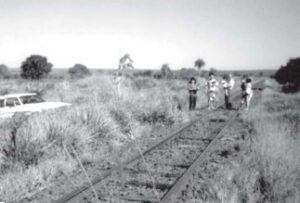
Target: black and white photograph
(149, 101)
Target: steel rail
(184, 178)
(180, 183)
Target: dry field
(41, 152)
(38, 150)
(258, 159)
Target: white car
(26, 103)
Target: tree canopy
(289, 75)
(199, 63)
(35, 67)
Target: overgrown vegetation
(36, 150)
(269, 169)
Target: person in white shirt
(228, 83)
(212, 91)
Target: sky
(226, 34)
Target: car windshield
(31, 99)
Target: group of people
(212, 89)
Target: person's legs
(190, 102)
(247, 102)
(248, 99)
(242, 101)
(194, 101)
(227, 101)
(210, 101)
(214, 100)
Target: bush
(157, 75)
(289, 75)
(3, 71)
(79, 71)
(35, 67)
(143, 73)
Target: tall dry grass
(32, 155)
(269, 171)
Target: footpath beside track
(159, 173)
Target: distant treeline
(155, 73)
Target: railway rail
(158, 173)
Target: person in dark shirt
(192, 88)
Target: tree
(79, 71)
(166, 71)
(289, 75)
(199, 63)
(3, 70)
(35, 67)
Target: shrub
(289, 75)
(143, 73)
(157, 75)
(35, 67)
(79, 71)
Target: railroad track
(159, 173)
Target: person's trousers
(228, 104)
(193, 101)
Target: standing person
(192, 87)
(228, 83)
(247, 92)
(212, 90)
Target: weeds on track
(269, 170)
(96, 126)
